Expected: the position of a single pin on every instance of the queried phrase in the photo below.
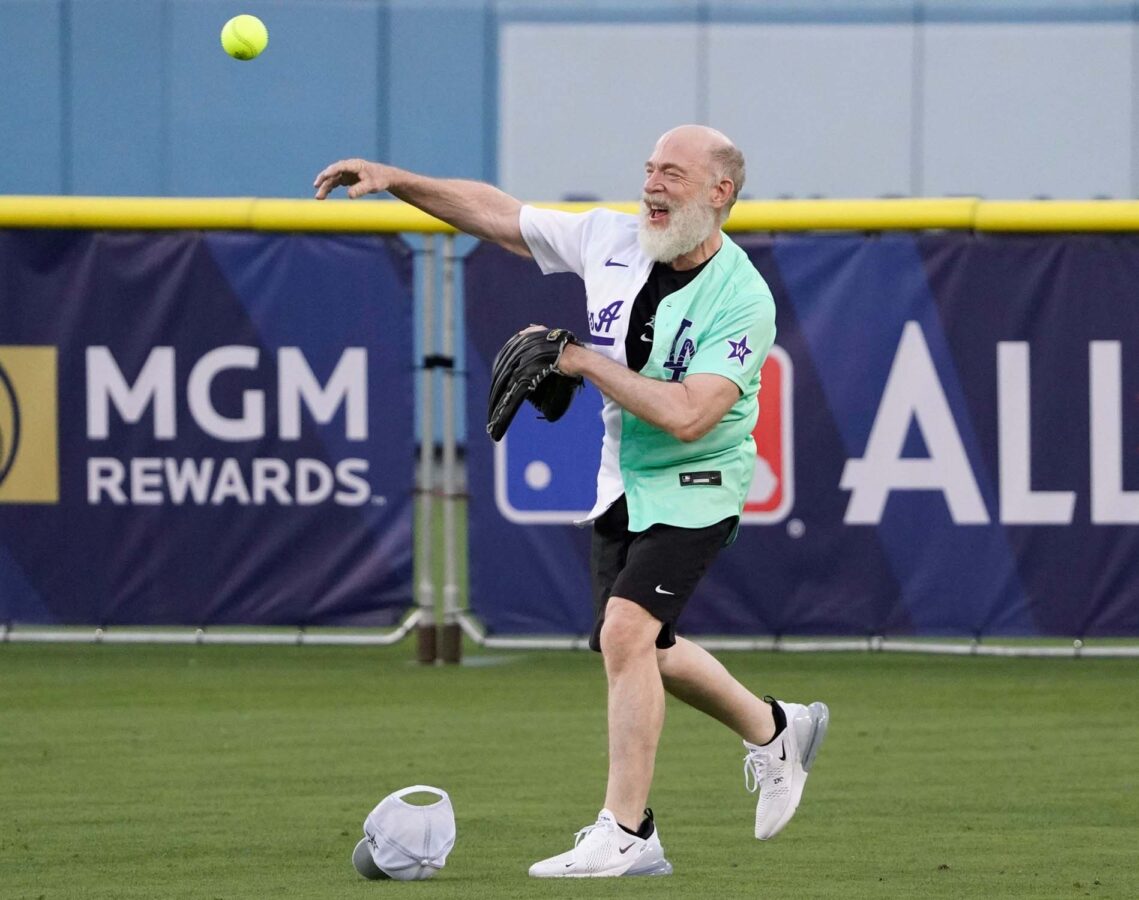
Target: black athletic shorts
(657, 569)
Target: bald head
(701, 135)
(715, 149)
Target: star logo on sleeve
(740, 349)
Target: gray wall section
(1021, 110)
(582, 104)
(832, 98)
(817, 109)
(1000, 109)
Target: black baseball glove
(526, 368)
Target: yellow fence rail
(258, 214)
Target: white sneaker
(778, 770)
(604, 849)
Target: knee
(627, 634)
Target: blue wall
(136, 97)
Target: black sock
(779, 716)
(645, 831)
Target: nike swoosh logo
(610, 262)
(625, 849)
(646, 339)
(661, 590)
(783, 754)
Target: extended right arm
(477, 208)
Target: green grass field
(232, 772)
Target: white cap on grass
(405, 841)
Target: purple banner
(948, 445)
(204, 429)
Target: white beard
(689, 225)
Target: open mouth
(657, 212)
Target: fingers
(338, 168)
(342, 172)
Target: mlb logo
(547, 474)
(772, 491)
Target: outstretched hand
(358, 175)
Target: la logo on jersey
(772, 492)
(600, 324)
(681, 351)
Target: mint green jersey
(722, 323)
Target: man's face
(676, 210)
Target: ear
(722, 192)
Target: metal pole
(451, 638)
(425, 631)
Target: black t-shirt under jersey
(663, 280)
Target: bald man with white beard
(678, 367)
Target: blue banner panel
(948, 445)
(205, 429)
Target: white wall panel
(580, 106)
(817, 109)
(1026, 109)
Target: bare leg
(636, 706)
(692, 674)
